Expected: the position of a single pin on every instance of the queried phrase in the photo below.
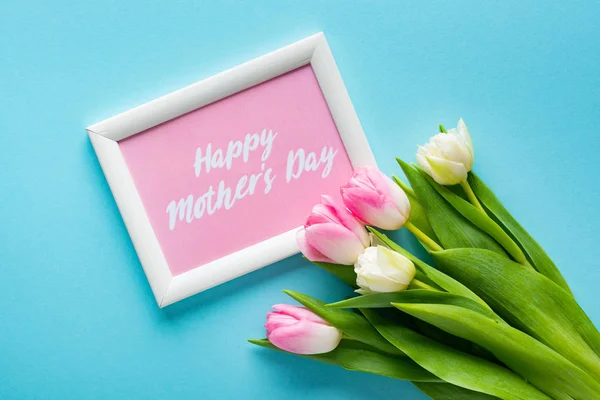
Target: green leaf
(351, 323)
(366, 359)
(453, 366)
(451, 228)
(446, 391)
(344, 272)
(442, 280)
(421, 276)
(418, 296)
(460, 344)
(528, 301)
(384, 300)
(536, 255)
(535, 362)
(418, 214)
(480, 220)
(377, 300)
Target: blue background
(77, 317)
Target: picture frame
(105, 137)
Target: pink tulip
(332, 234)
(299, 330)
(375, 199)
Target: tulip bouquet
(493, 319)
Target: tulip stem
(423, 237)
(417, 284)
(471, 195)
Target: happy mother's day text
(223, 195)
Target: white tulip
(381, 270)
(448, 157)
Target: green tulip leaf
(452, 229)
(446, 391)
(363, 358)
(355, 356)
(528, 301)
(480, 220)
(534, 361)
(419, 296)
(536, 255)
(444, 281)
(435, 333)
(384, 300)
(418, 214)
(352, 324)
(453, 366)
(421, 276)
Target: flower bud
(381, 270)
(331, 234)
(375, 199)
(300, 331)
(448, 157)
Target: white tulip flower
(381, 270)
(448, 157)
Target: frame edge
(133, 213)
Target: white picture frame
(105, 136)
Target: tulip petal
(463, 132)
(395, 265)
(454, 148)
(360, 178)
(446, 172)
(379, 180)
(373, 209)
(277, 320)
(347, 219)
(375, 199)
(309, 251)
(382, 270)
(361, 202)
(321, 214)
(306, 337)
(399, 198)
(422, 160)
(335, 242)
(431, 148)
(359, 196)
(297, 312)
(376, 282)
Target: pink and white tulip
(375, 199)
(332, 234)
(300, 331)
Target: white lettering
(327, 156)
(184, 207)
(223, 196)
(217, 159)
(208, 160)
(199, 160)
(266, 141)
(250, 144)
(298, 162)
(293, 158)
